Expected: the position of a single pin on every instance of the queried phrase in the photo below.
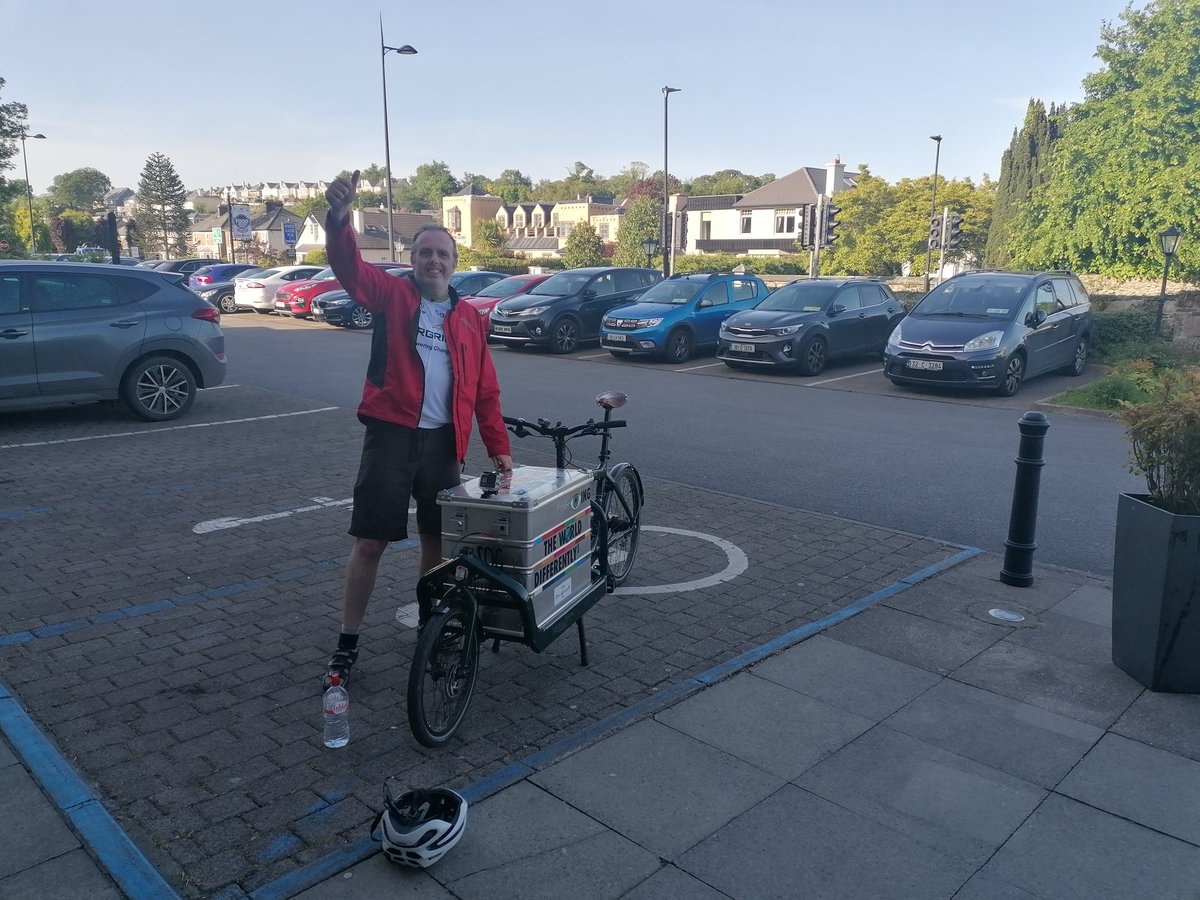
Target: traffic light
(831, 224)
(808, 213)
(954, 231)
(935, 232)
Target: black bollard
(1022, 521)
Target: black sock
(347, 641)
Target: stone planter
(1156, 596)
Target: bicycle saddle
(611, 400)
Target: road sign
(289, 232)
(241, 223)
(218, 235)
(3, 246)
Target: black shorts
(399, 464)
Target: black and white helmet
(419, 827)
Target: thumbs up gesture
(341, 194)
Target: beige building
(370, 228)
(461, 211)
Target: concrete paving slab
(7, 757)
(950, 601)
(1071, 638)
(41, 833)
(765, 724)
(1167, 721)
(662, 789)
(1091, 603)
(379, 877)
(959, 806)
(1069, 851)
(72, 876)
(934, 646)
(1025, 741)
(1150, 786)
(671, 883)
(1090, 694)
(846, 676)
(808, 847)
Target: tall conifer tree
(162, 221)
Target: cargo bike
(528, 555)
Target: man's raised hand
(341, 194)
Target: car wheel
(565, 335)
(1014, 371)
(813, 354)
(360, 317)
(1078, 362)
(225, 303)
(159, 388)
(679, 346)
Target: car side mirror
(704, 304)
(588, 293)
(836, 310)
(1035, 318)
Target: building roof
(713, 201)
(472, 191)
(794, 189)
(532, 243)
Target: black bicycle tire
(428, 657)
(625, 483)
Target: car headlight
(893, 340)
(337, 304)
(785, 330)
(484, 312)
(207, 295)
(989, 341)
(532, 311)
(649, 323)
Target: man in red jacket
(430, 372)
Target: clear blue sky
(249, 91)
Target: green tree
(1023, 166)
(81, 189)
(584, 247)
(512, 186)
(431, 182)
(726, 181)
(642, 219)
(488, 236)
(303, 207)
(1127, 164)
(162, 221)
(13, 117)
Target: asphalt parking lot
(172, 595)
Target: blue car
(676, 317)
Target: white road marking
(842, 378)
(594, 356)
(736, 565)
(117, 434)
(705, 366)
(236, 522)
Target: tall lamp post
(937, 139)
(28, 187)
(403, 50)
(649, 245)
(1170, 244)
(667, 238)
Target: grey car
(993, 330)
(77, 332)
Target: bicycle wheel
(442, 676)
(623, 512)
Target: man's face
(434, 258)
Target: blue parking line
(326, 867)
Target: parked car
(337, 307)
(220, 293)
(296, 299)
(185, 266)
(676, 317)
(257, 290)
(473, 282)
(77, 332)
(218, 272)
(992, 330)
(486, 299)
(808, 322)
(568, 307)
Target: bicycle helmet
(419, 827)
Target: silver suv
(76, 332)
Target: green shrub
(725, 262)
(316, 258)
(1164, 433)
(1121, 333)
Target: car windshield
(260, 274)
(983, 297)
(562, 284)
(504, 288)
(325, 274)
(800, 296)
(673, 292)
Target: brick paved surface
(179, 671)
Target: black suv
(567, 308)
(993, 330)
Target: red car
(296, 299)
(506, 287)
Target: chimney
(835, 176)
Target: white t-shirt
(435, 356)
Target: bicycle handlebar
(522, 428)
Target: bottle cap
(335, 679)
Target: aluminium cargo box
(536, 529)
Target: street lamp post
(1170, 244)
(937, 139)
(649, 245)
(403, 50)
(28, 187)
(667, 239)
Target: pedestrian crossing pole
(942, 242)
(818, 235)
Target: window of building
(705, 226)
(455, 219)
(785, 221)
(603, 231)
(745, 221)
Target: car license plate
(742, 348)
(931, 365)
(502, 329)
(619, 338)
(279, 304)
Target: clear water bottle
(337, 714)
